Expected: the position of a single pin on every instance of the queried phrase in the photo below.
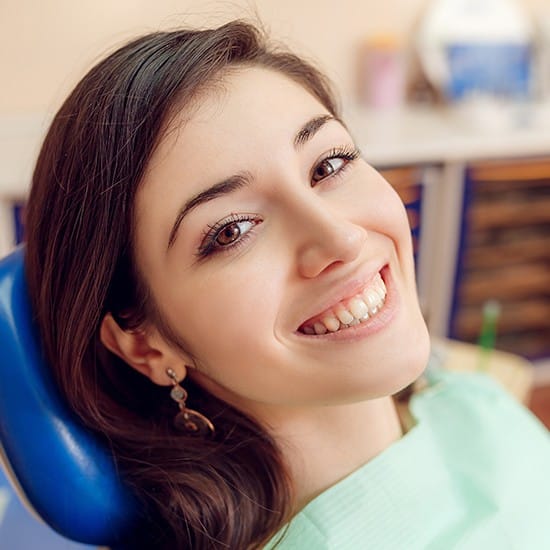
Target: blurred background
(450, 99)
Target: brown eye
(232, 232)
(326, 168)
(228, 234)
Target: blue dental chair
(67, 477)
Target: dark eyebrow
(222, 188)
(310, 128)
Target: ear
(143, 349)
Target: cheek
(388, 217)
(382, 210)
(403, 229)
(226, 307)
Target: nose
(328, 241)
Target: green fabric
(473, 474)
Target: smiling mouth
(350, 312)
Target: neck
(326, 444)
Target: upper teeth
(352, 311)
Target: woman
(200, 217)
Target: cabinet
(504, 254)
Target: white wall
(46, 45)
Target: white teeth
(358, 308)
(319, 328)
(381, 293)
(381, 288)
(344, 316)
(372, 299)
(331, 323)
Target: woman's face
(257, 225)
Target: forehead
(244, 104)
(249, 112)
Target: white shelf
(406, 136)
(20, 140)
(475, 132)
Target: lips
(362, 306)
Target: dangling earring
(187, 420)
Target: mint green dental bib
(473, 474)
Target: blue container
(498, 69)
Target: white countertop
(478, 131)
(409, 135)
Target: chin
(404, 361)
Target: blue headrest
(68, 477)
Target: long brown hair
(231, 491)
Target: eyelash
(208, 244)
(346, 153)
